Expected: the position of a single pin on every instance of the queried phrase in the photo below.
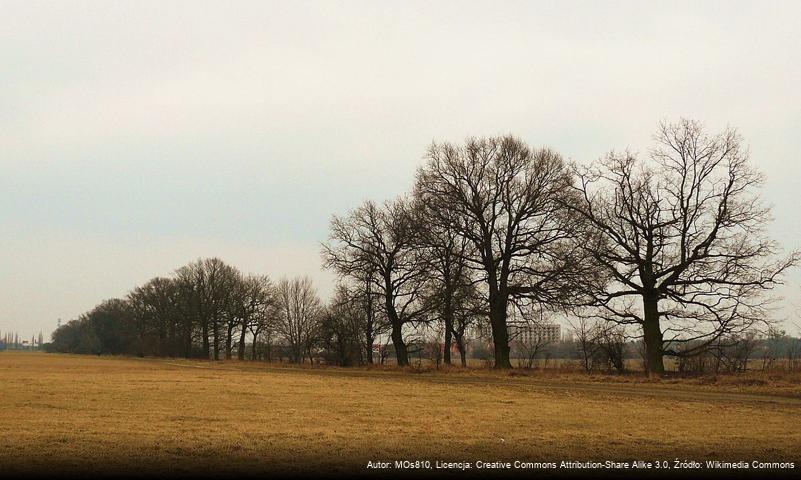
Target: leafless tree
(360, 301)
(433, 347)
(263, 329)
(611, 341)
(384, 240)
(527, 333)
(469, 308)
(299, 310)
(188, 307)
(528, 348)
(154, 306)
(584, 332)
(680, 239)
(599, 344)
(252, 303)
(502, 197)
(732, 353)
(451, 288)
(211, 282)
(342, 329)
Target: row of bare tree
(670, 247)
(207, 309)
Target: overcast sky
(138, 136)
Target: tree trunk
(216, 340)
(160, 348)
(188, 341)
(240, 352)
(652, 336)
(229, 343)
(369, 352)
(206, 346)
(500, 333)
(448, 331)
(172, 340)
(370, 324)
(462, 353)
(269, 351)
(401, 353)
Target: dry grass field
(72, 414)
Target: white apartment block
(536, 333)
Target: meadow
(73, 414)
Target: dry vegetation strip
(77, 413)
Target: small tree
(611, 341)
(584, 333)
(299, 310)
(384, 240)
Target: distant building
(536, 333)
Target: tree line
(207, 309)
(13, 341)
(669, 248)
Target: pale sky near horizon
(137, 136)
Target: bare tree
(188, 307)
(433, 347)
(360, 301)
(450, 285)
(253, 300)
(584, 332)
(154, 305)
(299, 310)
(341, 329)
(384, 240)
(262, 327)
(681, 240)
(611, 341)
(211, 282)
(528, 348)
(528, 333)
(502, 197)
(469, 307)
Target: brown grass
(65, 413)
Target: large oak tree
(505, 198)
(680, 237)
